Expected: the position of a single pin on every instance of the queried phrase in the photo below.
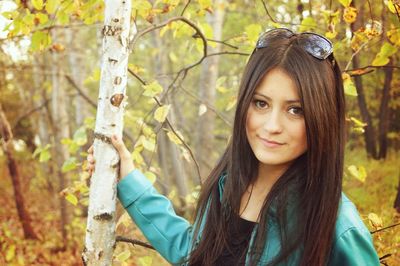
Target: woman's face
(275, 124)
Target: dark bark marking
(103, 217)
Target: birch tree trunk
(100, 232)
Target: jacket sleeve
(170, 234)
(354, 247)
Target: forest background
(189, 56)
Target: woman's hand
(126, 163)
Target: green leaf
(10, 254)
(38, 4)
(382, 58)
(72, 199)
(253, 32)
(43, 18)
(123, 256)
(149, 144)
(44, 156)
(161, 113)
(51, 6)
(204, 4)
(80, 137)
(145, 261)
(349, 88)
(345, 3)
(172, 137)
(308, 24)
(40, 40)
(153, 89)
(69, 164)
(89, 122)
(360, 173)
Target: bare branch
(184, 9)
(387, 227)
(266, 10)
(133, 242)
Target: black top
(234, 253)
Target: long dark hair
(316, 176)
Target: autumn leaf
(51, 5)
(349, 87)
(71, 198)
(350, 14)
(161, 113)
(150, 176)
(383, 57)
(375, 221)
(123, 256)
(358, 172)
(153, 89)
(38, 4)
(345, 3)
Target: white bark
(100, 232)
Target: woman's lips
(271, 143)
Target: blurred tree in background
(184, 70)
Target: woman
(275, 197)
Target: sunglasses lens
(316, 45)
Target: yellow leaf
(10, 253)
(72, 199)
(38, 4)
(394, 36)
(172, 137)
(151, 176)
(153, 89)
(349, 87)
(375, 221)
(124, 219)
(123, 256)
(161, 113)
(253, 32)
(391, 6)
(51, 6)
(359, 173)
(345, 3)
(308, 24)
(350, 14)
(358, 122)
(149, 144)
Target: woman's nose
(273, 122)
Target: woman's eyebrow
(269, 99)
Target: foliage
(37, 30)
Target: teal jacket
(172, 236)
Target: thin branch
(387, 227)
(30, 112)
(171, 127)
(133, 242)
(184, 9)
(80, 91)
(206, 104)
(221, 42)
(48, 28)
(368, 71)
(266, 10)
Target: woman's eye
(260, 104)
(296, 110)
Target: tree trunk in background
(208, 81)
(100, 230)
(384, 112)
(7, 144)
(369, 133)
(160, 66)
(61, 131)
(396, 204)
(77, 72)
(41, 118)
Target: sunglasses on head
(314, 44)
